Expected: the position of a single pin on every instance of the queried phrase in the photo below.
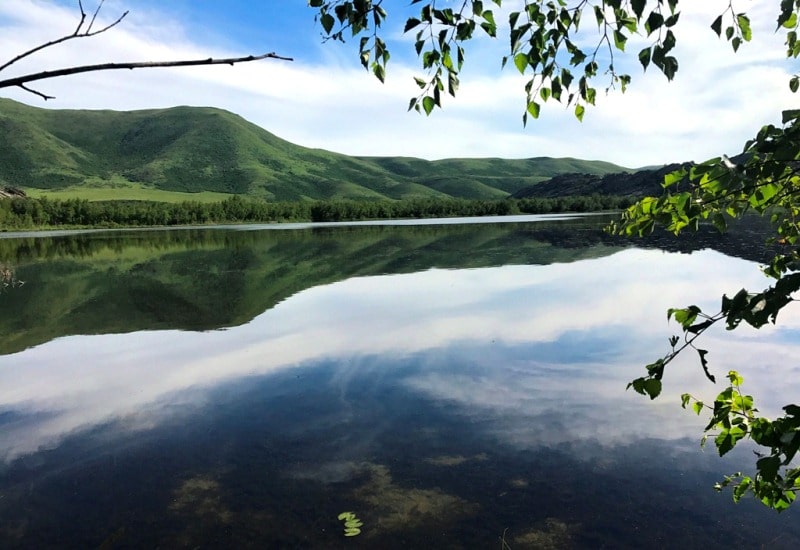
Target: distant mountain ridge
(642, 183)
(194, 149)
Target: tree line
(33, 213)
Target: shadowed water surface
(242, 387)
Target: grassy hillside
(143, 154)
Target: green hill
(199, 150)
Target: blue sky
(325, 99)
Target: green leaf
(533, 109)
(790, 115)
(727, 439)
(702, 353)
(579, 110)
(697, 407)
(544, 93)
(411, 23)
(327, 22)
(669, 67)
(716, 26)
(379, 71)
(672, 20)
(792, 410)
(638, 7)
(619, 40)
(719, 222)
(674, 177)
(734, 378)
(353, 523)
(427, 104)
(599, 15)
(644, 57)
(521, 62)
(768, 467)
(654, 22)
(652, 387)
(684, 316)
(741, 489)
(744, 26)
(699, 327)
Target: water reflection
(443, 405)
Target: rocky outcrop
(11, 192)
(637, 184)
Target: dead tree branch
(21, 81)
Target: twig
(35, 92)
(83, 18)
(94, 16)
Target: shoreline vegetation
(42, 213)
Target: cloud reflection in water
(542, 353)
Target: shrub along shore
(42, 213)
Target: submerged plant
(8, 279)
(352, 525)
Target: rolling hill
(200, 150)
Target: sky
(325, 99)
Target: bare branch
(76, 34)
(19, 81)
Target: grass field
(127, 193)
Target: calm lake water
(446, 383)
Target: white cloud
(717, 101)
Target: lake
(447, 383)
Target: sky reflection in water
(464, 367)
(515, 340)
